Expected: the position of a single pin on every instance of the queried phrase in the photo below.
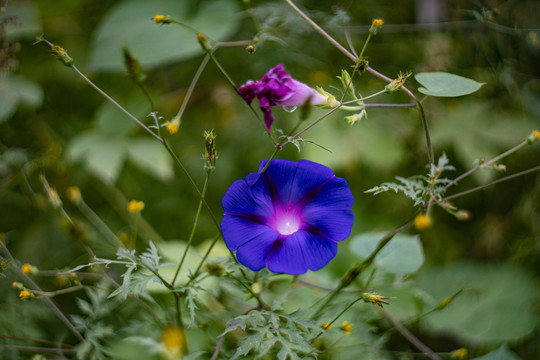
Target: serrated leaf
(129, 24)
(402, 255)
(444, 84)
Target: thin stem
(484, 165)
(409, 336)
(353, 273)
(365, 44)
(191, 87)
(509, 177)
(389, 105)
(274, 153)
(259, 300)
(97, 222)
(49, 302)
(194, 227)
(199, 193)
(307, 127)
(38, 349)
(39, 341)
(196, 273)
(116, 104)
(51, 294)
(364, 98)
(426, 131)
(218, 348)
(341, 313)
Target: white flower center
(288, 224)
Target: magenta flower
(289, 218)
(277, 88)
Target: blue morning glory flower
(288, 218)
(277, 88)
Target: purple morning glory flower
(288, 218)
(277, 88)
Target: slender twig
(97, 222)
(357, 269)
(115, 103)
(49, 302)
(389, 105)
(338, 315)
(196, 273)
(51, 294)
(259, 300)
(426, 131)
(484, 165)
(39, 341)
(191, 87)
(194, 227)
(409, 336)
(218, 348)
(509, 177)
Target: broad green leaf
(501, 353)
(14, 90)
(402, 255)
(495, 305)
(112, 121)
(102, 155)
(151, 156)
(445, 84)
(129, 24)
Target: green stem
(338, 315)
(276, 150)
(426, 131)
(98, 223)
(365, 44)
(196, 273)
(191, 87)
(259, 300)
(192, 230)
(484, 165)
(509, 177)
(356, 270)
(116, 104)
(51, 294)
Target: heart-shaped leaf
(446, 85)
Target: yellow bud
(347, 327)
(326, 326)
(201, 38)
(162, 19)
(459, 353)
(28, 269)
(173, 126)
(73, 193)
(173, 340)
(422, 222)
(376, 25)
(17, 285)
(25, 294)
(135, 206)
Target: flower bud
(353, 119)
(463, 215)
(210, 153)
(422, 222)
(61, 54)
(534, 136)
(25, 294)
(28, 269)
(250, 49)
(17, 285)
(135, 206)
(376, 299)
(397, 83)
(73, 193)
(330, 99)
(133, 67)
(173, 125)
(162, 19)
(376, 25)
(347, 327)
(201, 38)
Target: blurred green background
(54, 124)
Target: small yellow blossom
(135, 206)
(460, 353)
(25, 294)
(326, 326)
(162, 19)
(536, 134)
(173, 342)
(422, 222)
(376, 25)
(28, 269)
(173, 126)
(346, 326)
(74, 194)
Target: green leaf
(27, 14)
(501, 353)
(112, 121)
(151, 156)
(102, 155)
(129, 24)
(16, 89)
(402, 255)
(446, 85)
(495, 305)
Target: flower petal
(335, 195)
(238, 230)
(317, 250)
(309, 176)
(254, 253)
(334, 224)
(239, 200)
(300, 94)
(280, 175)
(288, 257)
